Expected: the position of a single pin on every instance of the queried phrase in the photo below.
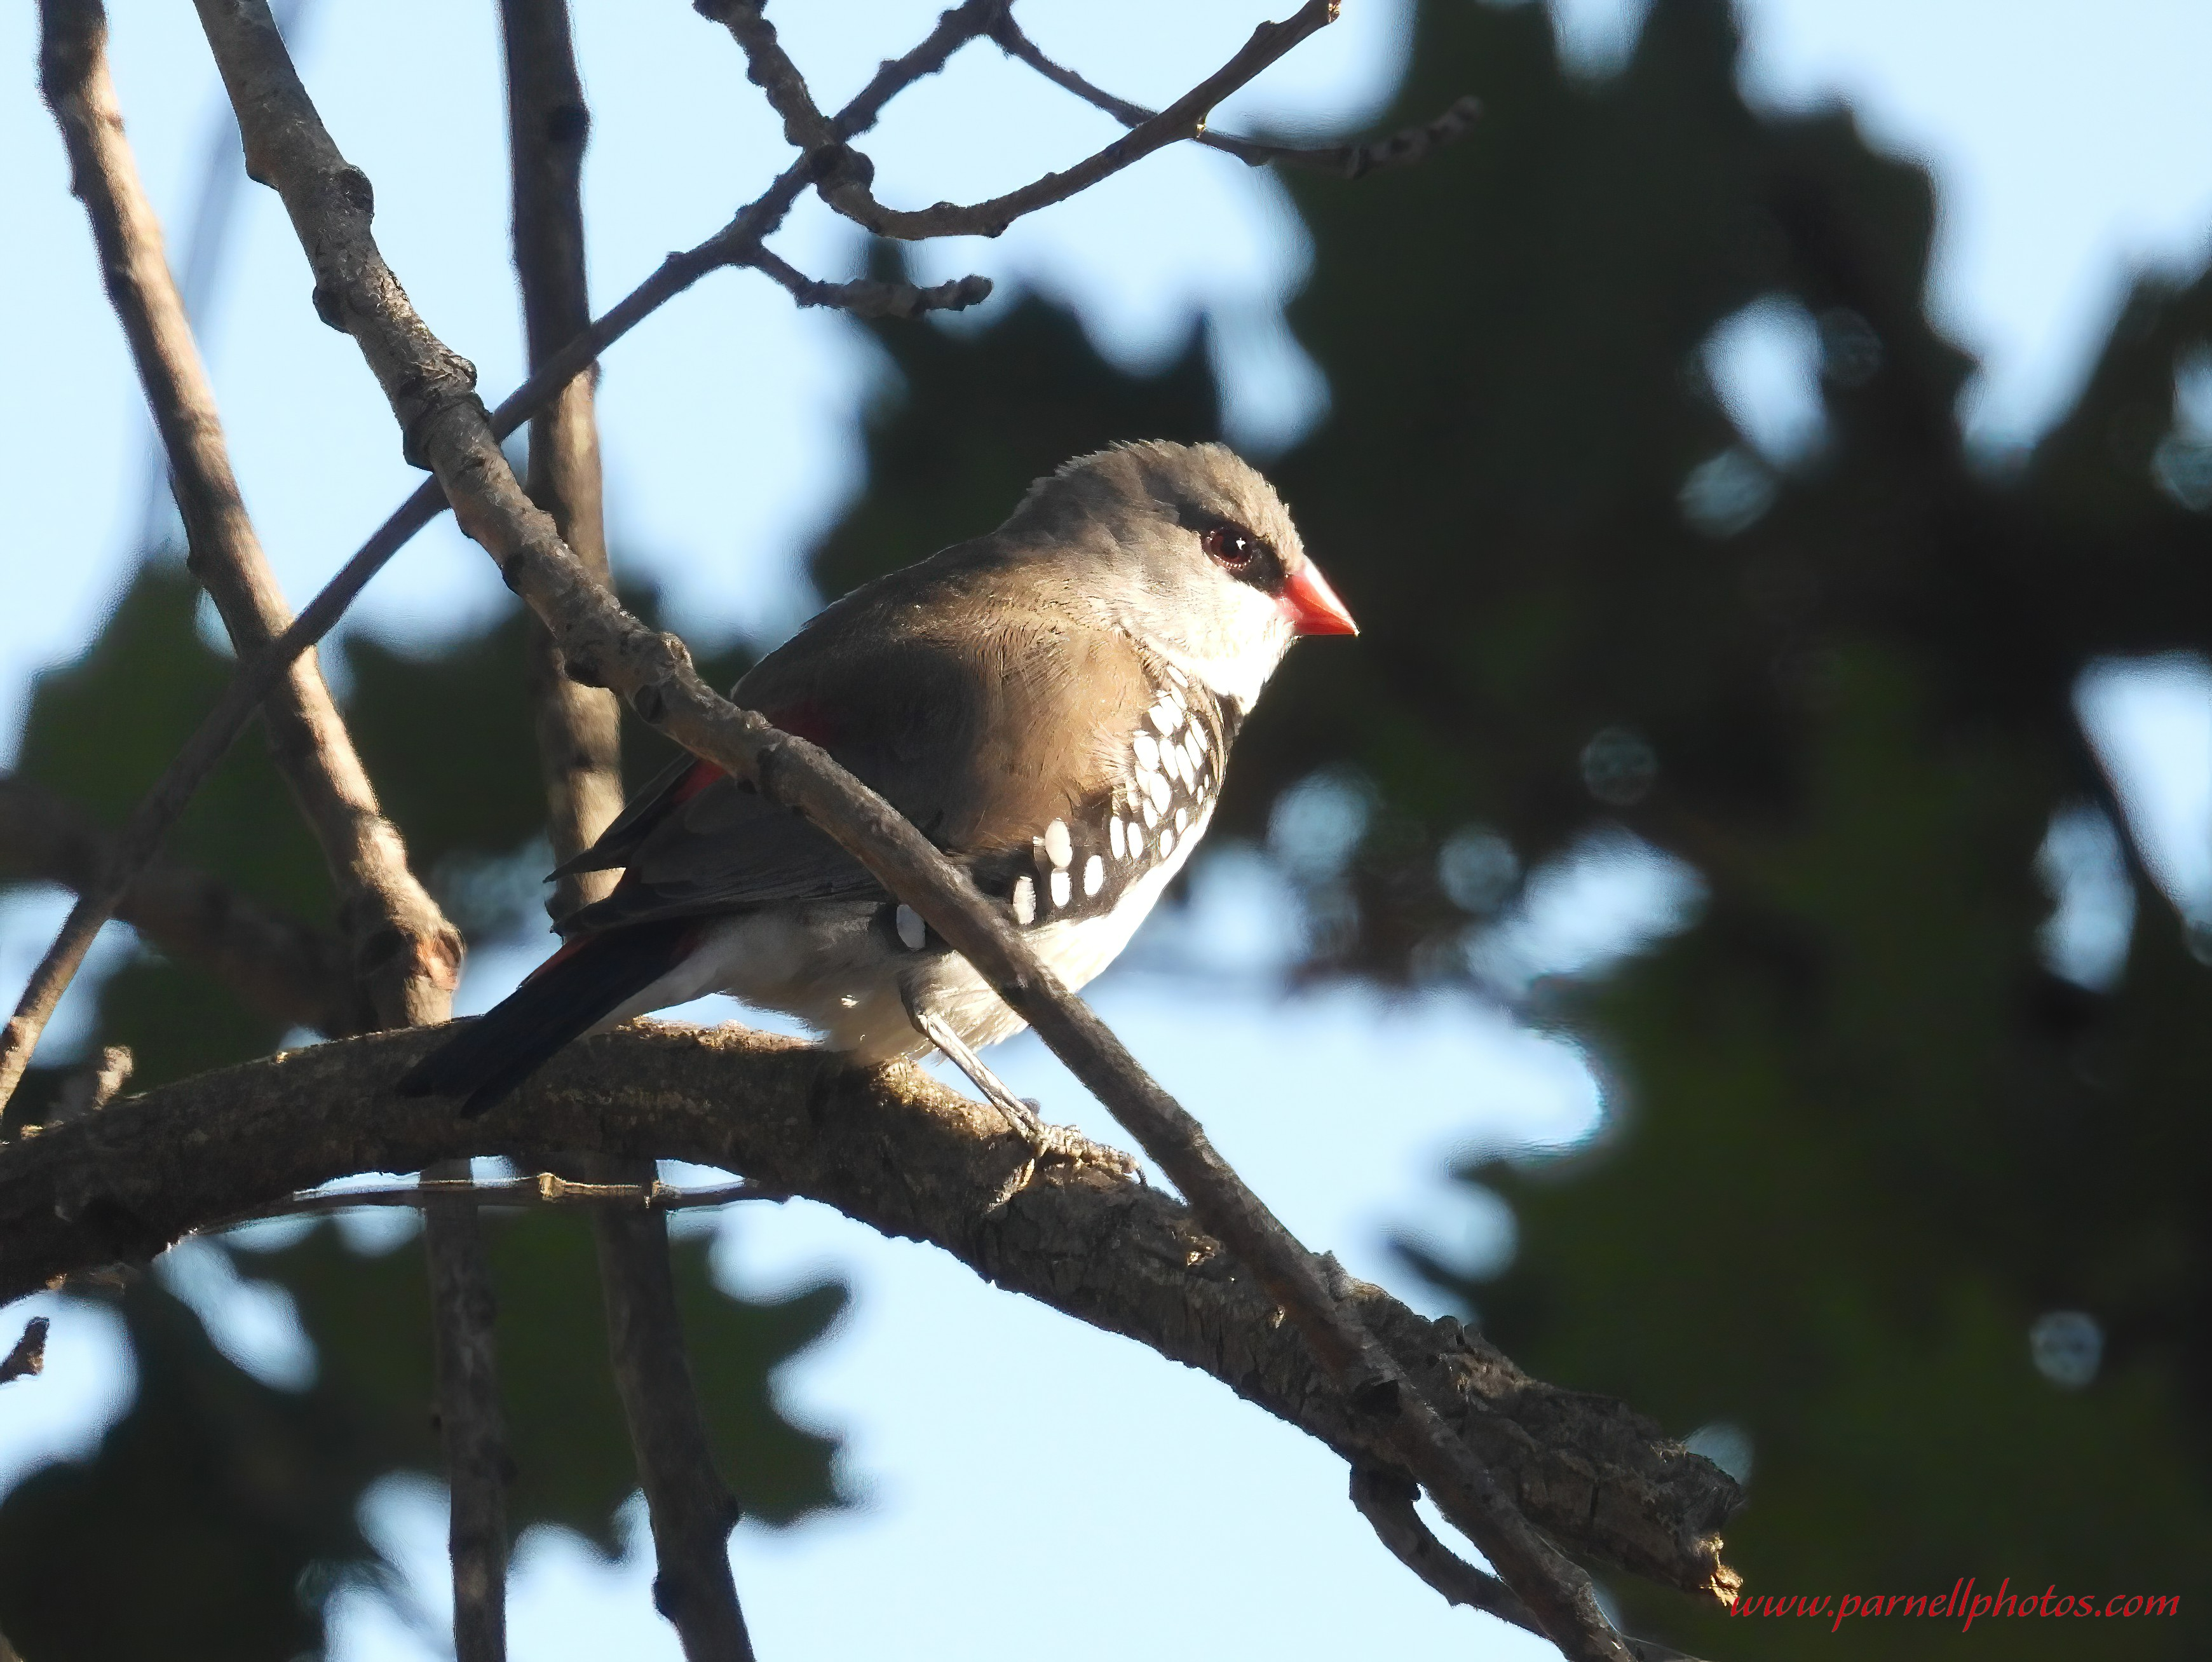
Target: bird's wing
(980, 710)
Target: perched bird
(1051, 705)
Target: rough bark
(895, 1150)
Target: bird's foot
(1052, 1144)
(1062, 1143)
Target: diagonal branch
(735, 244)
(896, 1150)
(407, 955)
(1347, 162)
(285, 969)
(844, 186)
(691, 1511)
(430, 392)
(1386, 1500)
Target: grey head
(1186, 548)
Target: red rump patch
(807, 722)
(703, 774)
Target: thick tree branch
(691, 1511)
(735, 244)
(280, 967)
(429, 388)
(844, 186)
(1347, 162)
(896, 1150)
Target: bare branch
(256, 677)
(472, 1429)
(846, 178)
(867, 298)
(689, 1506)
(29, 1354)
(407, 955)
(428, 387)
(579, 727)
(545, 1189)
(691, 1509)
(1347, 162)
(278, 966)
(894, 1149)
(91, 1088)
(1386, 1499)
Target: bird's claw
(1056, 1144)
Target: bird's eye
(1232, 545)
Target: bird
(1051, 705)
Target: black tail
(574, 988)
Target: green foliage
(228, 1507)
(231, 1508)
(1859, 1136)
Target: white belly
(828, 965)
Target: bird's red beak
(1311, 605)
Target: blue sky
(2065, 159)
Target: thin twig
(440, 420)
(1347, 162)
(690, 1510)
(546, 1189)
(284, 969)
(142, 835)
(1385, 1499)
(867, 298)
(844, 186)
(29, 1354)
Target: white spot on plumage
(1161, 791)
(1136, 843)
(1167, 841)
(1147, 749)
(1024, 901)
(1060, 887)
(1094, 874)
(1165, 716)
(1177, 676)
(1118, 834)
(1057, 844)
(1182, 817)
(911, 933)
